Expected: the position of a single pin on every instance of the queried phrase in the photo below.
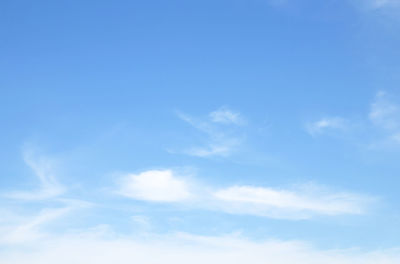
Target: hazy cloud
(226, 116)
(101, 248)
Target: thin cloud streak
(226, 116)
(326, 124)
(276, 203)
(381, 125)
(44, 170)
(29, 229)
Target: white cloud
(279, 203)
(154, 185)
(43, 168)
(163, 186)
(100, 247)
(226, 116)
(327, 124)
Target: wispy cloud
(385, 116)
(164, 186)
(221, 141)
(383, 3)
(226, 116)
(381, 123)
(326, 124)
(382, 6)
(384, 113)
(28, 229)
(222, 148)
(20, 226)
(154, 185)
(278, 203)
(43, 169)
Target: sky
(241, 131)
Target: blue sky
(200, 131)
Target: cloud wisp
(221, 137)
(327, 124)
(382, 123)
(291, 204)
(164, 186)
(28, 229)
(43, 169)
(226, 116)
(385, 114)
(379, 4)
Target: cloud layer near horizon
(100, 246)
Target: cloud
(381, 125)
(154, 185)
(382, 6)
(306, 202)
(101, 247)
(28, 228)
(222, 148)
(277, 203)
(43, 168)
(327, 124)
(385, 117)
(20, 226)
(226, 116)
(377, 4)
(384, 113)
(220, 141)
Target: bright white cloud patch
(163, 186)
(226, 116)
(326, 124)
(154, 185)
